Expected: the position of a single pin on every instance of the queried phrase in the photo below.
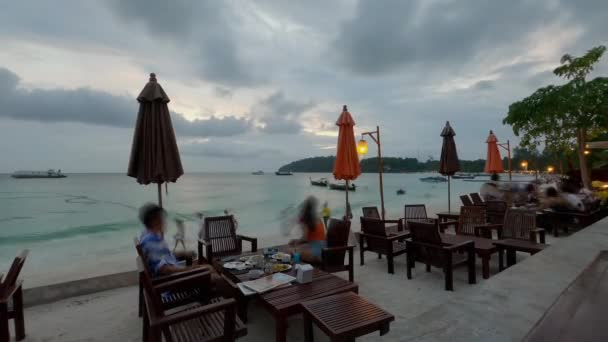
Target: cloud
(384, 36)
(281, 115)
(203, 29)
(484, 85)
(226, 149)
(94, 107)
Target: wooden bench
(579, 314)
(344, 317)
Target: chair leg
(410, 262)
(4, 336)
(308, 333)
(19, 319)
(471, 266)
(351, 266)
(141, 295)
(391, 264)
(449, 278)
(361, 257)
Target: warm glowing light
(524, 164)
(550, 169)
(362, 147)
(587, 152)
(605, 186)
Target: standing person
(180, 234)
(326, 213)
(313, 232)
(201, 225)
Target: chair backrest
(371, 212)
(477, 200)
(13, 272)
(374, 227)
(466, 201)
(142, 262)
(156, 305)
(427, 233)
(338, 233)
(518, 224)
(221, 233)
(470, 217)
(496, 211)
(415, 212)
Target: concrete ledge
(51, 293)
(509, 304)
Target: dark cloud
(203, 29)
(281, 115)
(484, 85)
(223, 92)
(89, 106)
(386, 35)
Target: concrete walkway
(502, 308)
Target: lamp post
(524, 165)
(362, 149)
(507, 147)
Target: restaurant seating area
(423, 252)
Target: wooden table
(579, 314)
(564, 219)
(448, 215)
(484, 248)
(285, 302)
(329, 313)
(512, 246)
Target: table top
(287, 300)
(238, 277)
(481, 244)
(329, 314)
(448, 213)
(522, 245)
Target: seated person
(160, 259)
(553, 200)
(489, 191)
(313, 232)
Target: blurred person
(552, 200)
(228, 212)
(313, 232)
(180, 234)
(326, 213)
(489, 191)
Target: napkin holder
(304, 273)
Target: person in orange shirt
(313, 232)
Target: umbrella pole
(449, 194)
(346, 212)
(160, 195)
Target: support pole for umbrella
(449, 194)
(347, 205)
(160, 195)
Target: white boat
(258, 173)
(39, 174)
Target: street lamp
(362, 149)
(524, 165)
(586, 152)
(507, 147)
(550, 169)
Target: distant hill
(390, 165)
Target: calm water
(83, 225)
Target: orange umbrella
(493, 161)
(346, 166)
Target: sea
(83, 225)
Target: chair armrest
(188, 282)
(447, 223)
(540, 232)
(424, 244)
(186, 315)
(459, 246)
(393, 221)
(204, 242)
(489, 227)
(337, 249)
(9, 292)
(252, 240)
(400, 236)
(174, 276)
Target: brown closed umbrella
(154, 154)
(448, 164)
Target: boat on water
(401, 192)
(319, 182)
(258, 173)
(464, 176)
(39, 174)
(283, 173)
(435, 179)
(342, 186)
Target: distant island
(370, 165)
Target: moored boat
(342, 186)
(435, 179)
(401, 192)
(319, 182)
(39, 174)
(258, 173)
(463, 176)
(283, 173)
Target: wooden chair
(374, 237)
(477, 200)
(220, 239)
(373, 212)
(495, 211)
(417, 212)
(332, 256)
(470, 218)
(201, 292)
(11, 291)
(426, 245)
(520, 224)
(466, 201)
(214, 320)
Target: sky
(257, 84)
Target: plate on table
(280, 255)
(280, 268)
(235, 265)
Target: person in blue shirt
(160, 259)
